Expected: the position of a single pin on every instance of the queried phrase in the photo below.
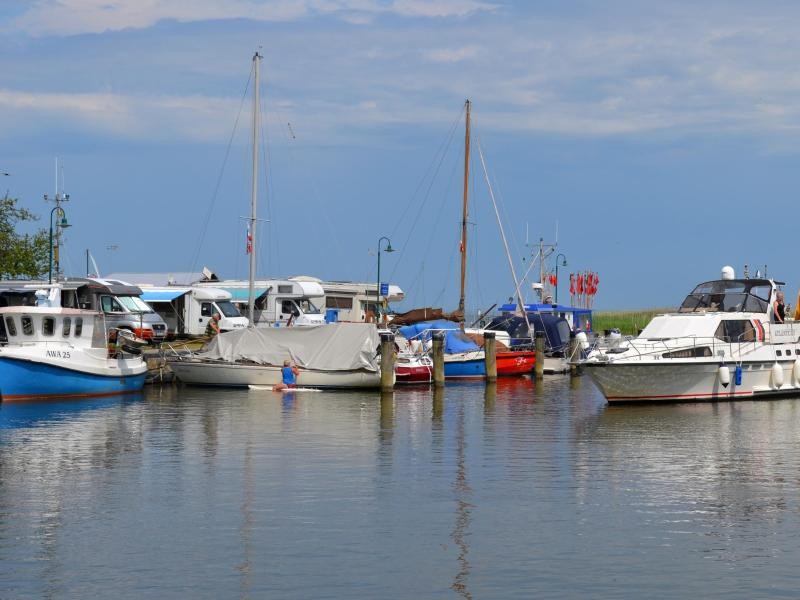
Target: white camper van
(353, 302)
(187, 310)
(278, 302)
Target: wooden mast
(464, 212)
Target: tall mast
(467, 106)
(251, 299)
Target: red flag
(572, 284)
(580, 283)
(249, 247)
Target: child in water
(289, 374)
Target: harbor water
(519, 490)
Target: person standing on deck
(779, 308)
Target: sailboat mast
(251, 298)
(467, 106)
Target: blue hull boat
(465, 369)
(27, 380)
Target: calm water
(514, 492)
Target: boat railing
(689, 345)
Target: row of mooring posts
(437, 351)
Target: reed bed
(629, 322)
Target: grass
(629, 322)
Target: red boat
(413, 368)
(515, 362)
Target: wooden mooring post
(490, 355)
(387, 362)
(438, 358)
(539, 369)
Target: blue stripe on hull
(26, 380)
(465, 368)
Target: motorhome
(353, 302)
(187, 310)
(119, 302)
(278, 302)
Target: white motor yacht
(721, 344)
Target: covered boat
(338, 355)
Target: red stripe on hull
(41, 398)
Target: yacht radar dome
(727, 272)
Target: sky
(649, 142)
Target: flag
(249, 248)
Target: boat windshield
(729, 295)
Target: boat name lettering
(784, 332)
(57, 354)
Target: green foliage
(628, 322)
(21, 255)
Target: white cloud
(452, 55)
(70, 17)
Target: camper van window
(142, 305)
(228, 309)
(284, 289)
(66, 327)
(288, 307)
(338, 302)
(11, 327)
(134, 304)
(78, 326)
(27, 325)
(206, 309)
(48, 326)
(110, 305)
(308, 307)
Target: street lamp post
(563, 264)
(378, 289)
(63, 225)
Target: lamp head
(388, 247)
(63, 223)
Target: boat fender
(737, 375)
(724, 375)
(777, 376)
(796, 371)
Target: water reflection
(479, 491)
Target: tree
(21, 255)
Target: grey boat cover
(332, 347)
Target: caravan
(278, 302)
(350, 302)
(187, 310)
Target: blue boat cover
(161, 296)
(455, 340)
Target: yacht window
(78, 326)
(736, 331)
(796, 351)
(48, 326)
(689, 353)
(27, 325)
(779, 353)
(11, 326)
(66, 327)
